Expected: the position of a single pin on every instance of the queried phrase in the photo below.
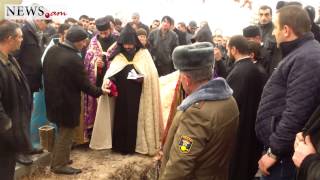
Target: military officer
(202, 135)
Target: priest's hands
(109, 88)
(106, 87)
(100, 63)
(302, 148)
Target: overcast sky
(221, 14)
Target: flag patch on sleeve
(185, 144)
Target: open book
(134, 75)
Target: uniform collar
(215, 89)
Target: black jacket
(266, 31)
(290, 96)
(29, 57)
(64, 79)
(247, 81)
(162, 46)
(15, 106)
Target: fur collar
(215, 89)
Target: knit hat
(193, 57)
(76, 33)
(141, 31)
(193, 24)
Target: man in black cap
(252, 33)
(64, 79)
(98, 47)
(191, 30)
(96, 64)
(201, 138)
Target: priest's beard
(129, 53)
(231, 57)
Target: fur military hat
(193, 57)
(76, 33)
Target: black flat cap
(193, 57)
(102, 24)
(251, 31)
(76, 33)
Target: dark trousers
(62, 147)
(283, 170)
(7, 164)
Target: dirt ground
(103, 164)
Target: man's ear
(286, 31)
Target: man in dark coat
(204, 34)
(266, 26)
(15, 101)
(162, 41)
(252, 33)
(246, 81)
(290, 95)
(64, 79)
(29, 58)
(136, 20)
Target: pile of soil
(103, 164)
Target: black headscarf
(127, 36)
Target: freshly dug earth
(103, 164)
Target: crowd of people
(240, 105)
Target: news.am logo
(14, 11)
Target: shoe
(66, 170)
(70, 162)
(36, 151)
(24, 159)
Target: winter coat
(290, 96)
(64, 78)
(201, 138)
(15, 107)
(266, 31)
(29, 56)
(161, 50)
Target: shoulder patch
(185, 144)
